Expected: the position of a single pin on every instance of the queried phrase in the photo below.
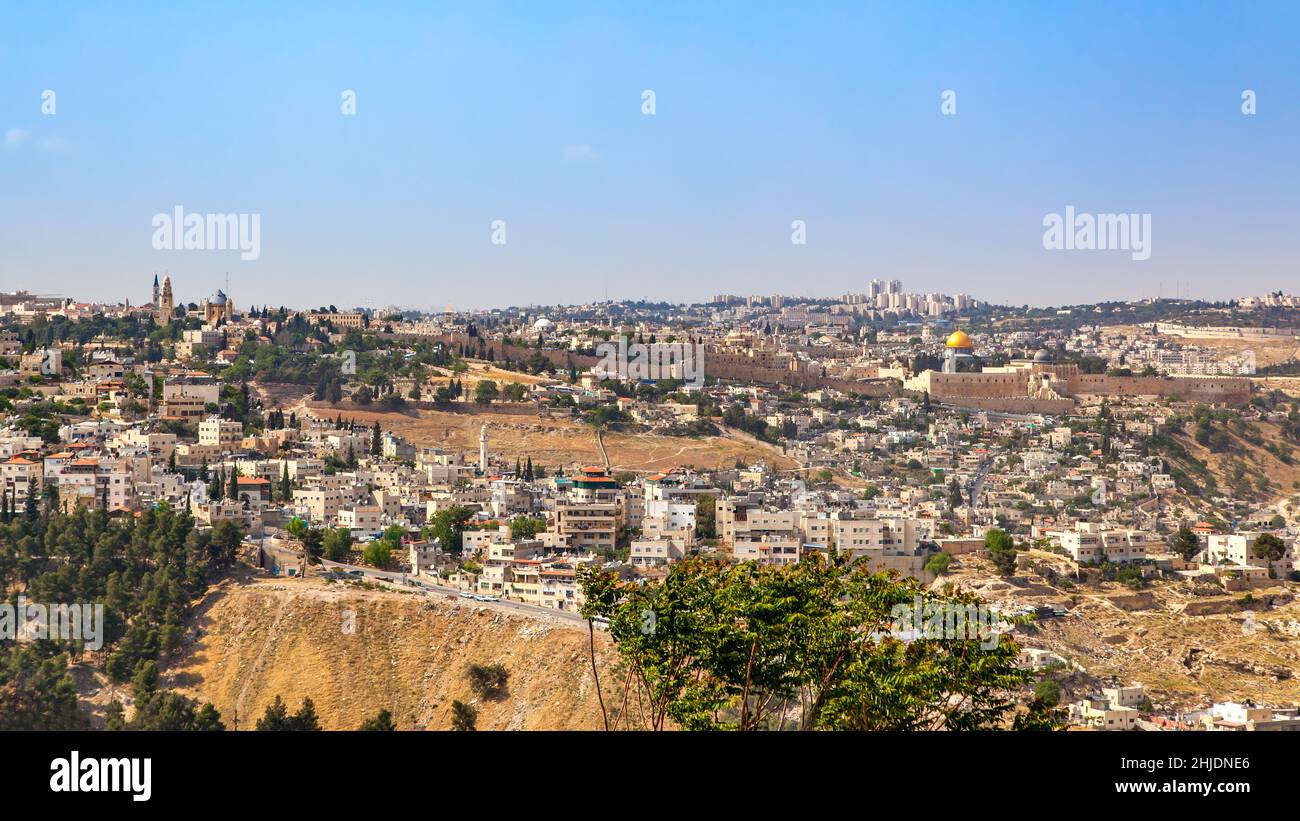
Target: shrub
(488, 680)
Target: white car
(467, 595)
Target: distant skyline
(764, 115)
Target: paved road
(423, 585)
(977, 484)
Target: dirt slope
(356, 651)
(563, 442)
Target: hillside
(562, 441)
(1249, 459)
(258, 637)
(1189, 644)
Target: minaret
(155, 290)
(482, 449)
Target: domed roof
(959, 339)
(219, 298)
(543, 323)
(1041, 355)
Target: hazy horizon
(763, 115)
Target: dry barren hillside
(355, 651)
(561, 441)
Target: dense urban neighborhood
(1114, 486)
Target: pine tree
(275, 718)
(383, 721)
(305, 719)
(29, 510)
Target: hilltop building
(1041, 385)
(958, 350)
(218, 308)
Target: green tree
(955, 498)
(382, 721)
(748, 646)
(938, 564)
(1048, 692)
(1185, 543)
(305, 719)
(447, 526)
(378, 553)
(526, 527)
(1270, 547)
(277, 718)
(337, 543)
(163, 710)
(485, 391)
(706, 516)
(1002, 550)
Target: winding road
(420, 585)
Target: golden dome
(959, 339)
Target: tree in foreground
(811, 646)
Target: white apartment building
(224, 433)
(1247, 716)
(1239, 549)
(364, 518)
(656, 552)
(1090, 542)
(319, 504)
(1100, 714)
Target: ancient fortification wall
(1050, 407)
(1230, 390)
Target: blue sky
(531, 113)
